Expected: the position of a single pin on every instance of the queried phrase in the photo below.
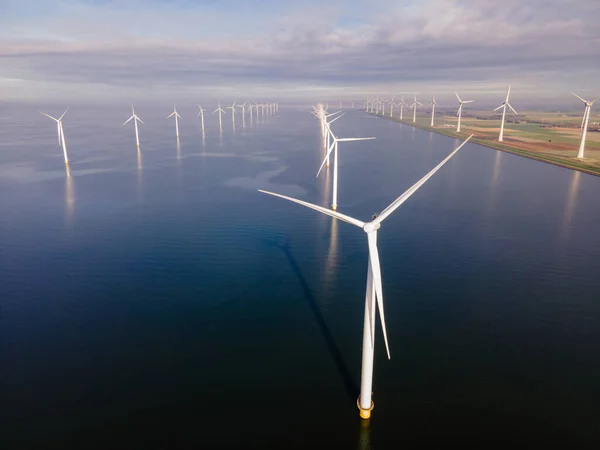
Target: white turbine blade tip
(325, 211)
(410, 191)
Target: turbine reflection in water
(332, 255)
(364, 435)
(139, 175)
(69, 198)
(570, 204)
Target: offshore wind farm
(196, 279)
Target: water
(158, 300)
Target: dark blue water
(157, 300)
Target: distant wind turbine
(414, 107)
(232, 108)
(374, 288)
(334, 147)
(503, 106)
(136, 119)
(459, 113)
(402, 105)
(433, 103)
(219, 110)
(177, 117)
(201, 115)
(61, 133)
(584, 124)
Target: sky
(127, 50)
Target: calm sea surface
(156, 299)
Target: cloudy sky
(128, 49)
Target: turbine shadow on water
(351, 387)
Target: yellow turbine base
(334, 207)
(365, 413)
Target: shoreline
(549, 159)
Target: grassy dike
(582, 166)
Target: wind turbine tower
(459, 113)
(61, 134)
(584, 124)
(503, 106)
(177, 117)
(136, 119)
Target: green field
(554, 145)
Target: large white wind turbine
(250, 108)
(219, 110)
(232, 108)
(584, 124)
(374, 289)
(503, 106)
(459, 113)
(334, 147)
(402, 105)
(243, 113)
(177, 117)
(414, 107)
(433, 103)
(392, 107)
(136, 119)
(201, 115)
(61, 133)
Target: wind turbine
(232, 108)
(433, 103)
(219, 110)
(250, 108)
(392, 107)
(459, 113)
(402, 105)
(201, 115)
(61, 133)
(136, 119)
(177, 117)
(374, 289)
(503, 106)
(414, 107)
(584, 124)
(334, 147)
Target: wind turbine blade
(499, 107)
(512, 109)
(585, 114)
(376, 269)
(171, 114)
(396, 203)
(508, 94)
(177, 114)
(325, 211)
(48, 115)
(355, 139)
(329, 150)
(336, 118)
(419, 103)
(63, 115)
(137, 118)
(127, 121)
(584, 101)
(459, 100)
(468, 101)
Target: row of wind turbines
(374, 289)
(375, 105)
(266, 109)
